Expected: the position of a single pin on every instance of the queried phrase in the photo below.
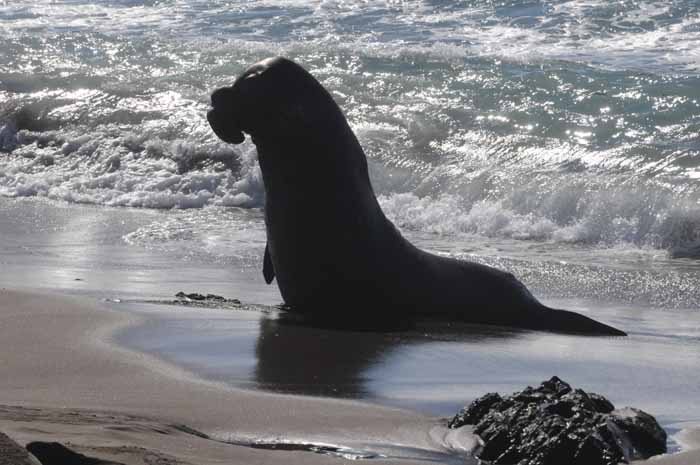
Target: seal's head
(270, 97)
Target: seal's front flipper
(268, 270)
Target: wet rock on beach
(555, 424)
(195, 297)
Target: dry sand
(64, 381)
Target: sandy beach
(554, 140)
(66, 382)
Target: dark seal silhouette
(334, 253)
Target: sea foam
(568, 123)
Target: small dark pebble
(554, 424)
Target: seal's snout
(222, 97)
(221, 117)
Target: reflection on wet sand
(299, 356)
(434, 367)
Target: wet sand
(66, 382)
(432, 367)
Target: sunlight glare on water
(572, 125)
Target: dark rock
(555, 386)
(472, 414)
(192, 296)
(602, 404)
(209, 300)
(591, 450)
(54, 453)
(637, 433)
(12, 453)
(497, 445)
(554, 424)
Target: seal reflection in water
(333, 252)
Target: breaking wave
(567, 122)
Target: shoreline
(59, 385)
(71, 383)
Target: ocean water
(562, 130)
(566, 122)
(557, 139)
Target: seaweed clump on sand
(554, 424)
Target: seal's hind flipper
(565, 321)
(268, 269)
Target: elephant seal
(330, 247)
